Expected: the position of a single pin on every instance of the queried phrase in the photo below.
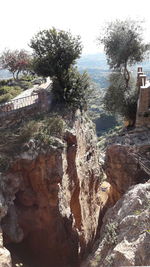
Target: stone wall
(41, 106)
(143, 106)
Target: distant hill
(99, 61)
(95, 61)
(98, 69)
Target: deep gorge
(54, 198)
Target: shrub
(42, 130)
(5, 82)
(28, 131)
(9, 92)
(111, 234)
(51, 127)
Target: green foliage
(25, 84)
(5, 82)
(123, 43)
(74, 88)
(41, 130)
(27, 131)
(119, 99)
(53, 126)
(55, 53)
(11, 88)
(27, 77)
(111, 233)
(9, 92)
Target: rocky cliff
(50, 198)
(55, 209)
(125, 234)
(125, 231)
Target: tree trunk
(17, 75)
(13, 73)
(126, 75)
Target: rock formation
(52, 195)
(125, 229)
(125, 234)
(53, 201)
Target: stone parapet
(143, 106)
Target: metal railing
(18, 103)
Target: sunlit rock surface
(125, 233)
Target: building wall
(143, 107)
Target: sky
(20, 20)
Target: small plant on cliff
(55, 53)
(111, 233)
(28, 130)
(50, 127)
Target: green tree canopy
(121, 100)
(123, 45)
(54, 52)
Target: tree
(15, 61)
(55, 54)
(55, 51)
(123, 45)
(75, 88)
(119, 99)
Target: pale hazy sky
(21, 19)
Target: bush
(27, 78)
(9, 92)
(42, 130)
(111, 233)
(25, 84)
(5, 82)
(50, 127)
(28, 131)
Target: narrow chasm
(51, 199)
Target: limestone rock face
(54, 207)
(5, 258)
(125, 234)
(128, 162)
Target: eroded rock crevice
(54, 205)
(53, 200)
